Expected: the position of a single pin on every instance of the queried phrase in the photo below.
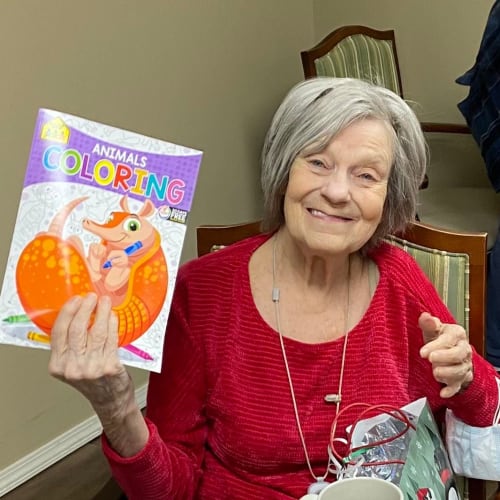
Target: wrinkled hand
(448, 350)
(84, 354)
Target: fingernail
(105, 300)
(75, 300)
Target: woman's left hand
(448, 350)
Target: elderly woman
(269, 338)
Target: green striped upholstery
(362, 57)
(448, 272)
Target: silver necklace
(319, 481)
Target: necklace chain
(336, 398)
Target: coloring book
(102, 209)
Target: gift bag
(404, 447)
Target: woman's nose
(336, 187)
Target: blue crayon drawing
(129, 251)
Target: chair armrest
(447, 128)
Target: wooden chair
(213, 237)
(370, 54)
(454, 262)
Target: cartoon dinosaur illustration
(127, 264)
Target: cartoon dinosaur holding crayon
(127, 264)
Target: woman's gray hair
(316, 110)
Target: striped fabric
(362, 57)
(448, 272)
(214, 248)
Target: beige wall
(204, 73)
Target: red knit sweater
(220, 414)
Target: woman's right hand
(84, 354)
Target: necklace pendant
(317, 487)
(333, 398)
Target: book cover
(105, 210)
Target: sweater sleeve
(169, 466)
(475, 405)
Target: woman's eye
(367, 176)
(317, 163)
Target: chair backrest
(356, 52)
(213, 237)
(456, 265)
(454, 262)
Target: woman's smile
(328, 217)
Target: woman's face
(335, 198)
